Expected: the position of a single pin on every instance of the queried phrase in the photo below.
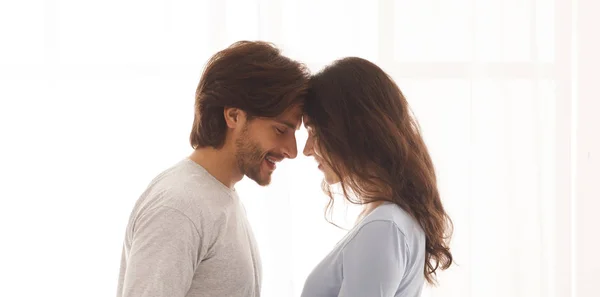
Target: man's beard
(250, 157)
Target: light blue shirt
(382, 256)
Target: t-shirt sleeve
(163, 255)
(374, 261)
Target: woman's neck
(367, 209)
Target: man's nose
(290, 149)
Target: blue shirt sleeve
(374, 261)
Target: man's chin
(263, 182)
(261, 179)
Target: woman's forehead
(306, 120)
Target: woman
(363, 136)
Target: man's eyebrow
(290, 125)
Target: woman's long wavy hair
(367, 134)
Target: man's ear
(234, 116)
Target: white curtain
(97, 98)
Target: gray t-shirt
(188, 235)
(382, 256)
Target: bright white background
(96, 98)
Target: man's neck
(220, 163)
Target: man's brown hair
(250, 75)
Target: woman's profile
(364, 138)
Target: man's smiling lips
(271, 161)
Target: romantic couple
(188, 234)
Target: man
(188, 234)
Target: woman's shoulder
(394, 214)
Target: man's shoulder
(190, 190)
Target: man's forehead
(291, 117)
